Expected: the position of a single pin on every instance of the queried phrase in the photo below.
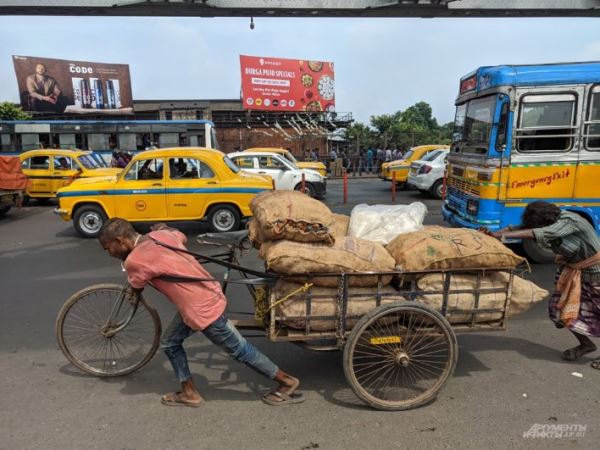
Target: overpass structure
(305, 8)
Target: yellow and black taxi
(49, 170)
(401, 167)
(174, 184)
(317, 166)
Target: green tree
(359, 135)
(387, 127)
(8, 111)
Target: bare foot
(573, 354)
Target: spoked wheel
(399, 356)
(84, 334)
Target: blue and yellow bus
(525, 133)
(103, 136)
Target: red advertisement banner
(279, 84)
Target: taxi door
(276, 169)
(64, 171)
(38, 170)
(190, 183)
(140, 193)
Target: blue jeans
(222, 333)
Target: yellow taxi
(49, 170)
(401, 167)
(171, 184)
(313, 165)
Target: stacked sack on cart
(440, 248)
(298, 236)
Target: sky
(382, 65)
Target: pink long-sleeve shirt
(199, 303)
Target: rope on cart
(303, 288)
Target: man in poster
(44, 91)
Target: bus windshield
(473, 121)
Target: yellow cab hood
(315, 165)
(92, 181)
(104, 172)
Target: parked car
(313, 165)
(173, 184)
(49, 170)
(285, 175)
(401, 167)
(427, 174)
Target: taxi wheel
(222, 218)
(438, 189)
(88, 220)
(308, 189)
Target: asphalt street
(504, 384)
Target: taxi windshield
(88, 162)
(229, 163)
(408, 154)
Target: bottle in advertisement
(97, 93)
(77, 100)
(86, 94)
(110, 95)
(117, 90)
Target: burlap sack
(254, 233)
(341, 223)
(346, 255)
(324, 303)
(293, 216)
(450, 248)
(524, 295)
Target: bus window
(6, 142)
(81, 141)
(502, 126)
(593, 127)
(546, 123)
(98, 141)
(67, 141)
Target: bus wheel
(537, 253)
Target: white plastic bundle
(382, 223)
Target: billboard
(57, 85)
(278, 84)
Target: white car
(284, 173)
(427, 174)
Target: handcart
(397, 356)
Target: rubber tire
(4, 210)
(76, 362)
(82, 210)
(355, 334)
(308, 188)
(212, 216)
(438, 185)
(536, 252)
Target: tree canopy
(9, 111)
(402, 129)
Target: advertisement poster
(278, 84)
(80, 87)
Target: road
(504, 383)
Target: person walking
(370, 160)
(575, 304)
(200, 307)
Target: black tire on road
(309, 189)
(78, 332)
(4, 210)
(399, 356)
(437, 190)
(88, 220)
(223, 218)
(536, 252)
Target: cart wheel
(399, 356)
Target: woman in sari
(575, 303)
